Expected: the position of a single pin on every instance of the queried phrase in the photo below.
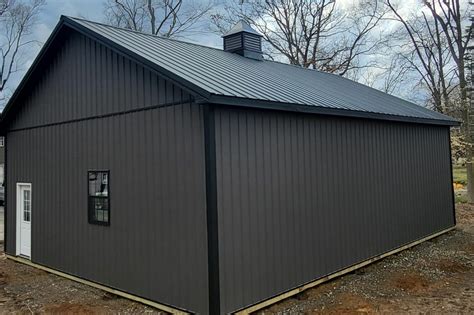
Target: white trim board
(18, 215)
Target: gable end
(77, 76)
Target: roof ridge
(190, 43)
(179, 41)
(138, 32)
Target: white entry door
(24, 219)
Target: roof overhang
(301, 108)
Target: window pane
(26, 205)
(101, 203)
(98, 184)
(99, 215)
(100, 206)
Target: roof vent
(242, 39)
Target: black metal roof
(240, 27)
(220, 77)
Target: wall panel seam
(124, 112)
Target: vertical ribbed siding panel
(156, 245)
(303, 196)
(103, 78)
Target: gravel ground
(435, 276)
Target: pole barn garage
(211, 181)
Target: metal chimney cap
(242, 26)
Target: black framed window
(98, 197)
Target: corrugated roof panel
(242, 26)
(227, 74)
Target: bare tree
(16, 21)
(450, 16)
(395, 75)
(4, 5)
(427, 53)
(311, 33)
(439, 40)
(168, 18)
(389, 76)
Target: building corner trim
(211, 211)
(5, 195)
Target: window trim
(89, 210)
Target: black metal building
(211, 180)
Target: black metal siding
(86, 79)
(156, 244)
(302, 196)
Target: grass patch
(459, 174)
(460, 198)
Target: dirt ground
(435, 276)
(27, 290)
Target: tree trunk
(468, 137)
(470, 178)
(467, 128)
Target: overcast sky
(91, 10)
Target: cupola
(242, 39)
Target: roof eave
(291, 107)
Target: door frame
(19, 215)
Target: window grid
(98, 197)
(27, 205)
